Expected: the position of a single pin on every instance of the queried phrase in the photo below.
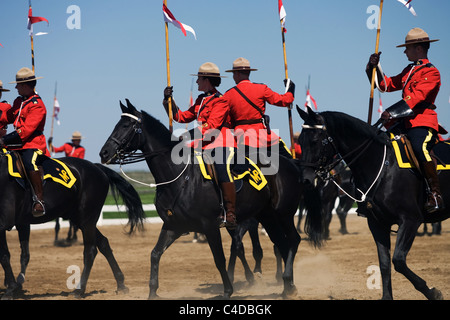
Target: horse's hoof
(20, 279)
(7, 297)
(435, 294)
(290, 293)
(122, 290)
(78, 293)
(153, 297)
(227, 296)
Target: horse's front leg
(381, 235)
(215, 243)
(237, 249)
(5, 258)
(166, 238)
(24, 238)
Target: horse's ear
(302, 113)
(124, 109)
(130, 106)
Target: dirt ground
(340, 270)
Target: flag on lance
(170, 18)
(408, 5)
(380, 107)
(310, 101)
(282, 13)
(56, 111)
(32, 20)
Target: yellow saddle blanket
(53, 169)
(253, 173)
(440, 150)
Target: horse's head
(126, 137)
(318, 149)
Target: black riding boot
(229, 200)
(434, 200)
(38, 199)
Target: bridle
(134, 157)
(323, 170)
(122, 156)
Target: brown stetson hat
(208, 69)
(241, 64)
(416, 35)
(76, 135)
(25, 75)
(1, 87)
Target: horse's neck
(365, 163)
(164, 168)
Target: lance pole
(168, 73)
(291, 129)
(32, 51)
(53, 113)
(374, 70)
(32, 42)
(50, 145)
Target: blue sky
(119, 52)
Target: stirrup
(435, 207)
(36, 213)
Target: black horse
(389, 195)
(187, 202)
(81, 204)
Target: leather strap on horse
(210, 167)
(409, 152)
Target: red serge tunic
(71, 151)
(254, 135)
(420, 83)
(212, 114)
(28, 118)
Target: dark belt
(245, 122)
(265, 121)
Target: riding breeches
(223, 159)
(32, 158)
(422, 141)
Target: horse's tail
(314, 221)
(121, 187)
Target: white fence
(101, 221)
(124, 221)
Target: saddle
(407, 160)
(51, 169)
(249, 170)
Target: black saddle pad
(54, 169)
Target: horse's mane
(346, 125)
(155, 128)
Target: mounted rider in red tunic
(28, 114)
(211, 110)
(420, 82)
(247, 102)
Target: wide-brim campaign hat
(76, 135)
(241, 64)
(208, 69)
(416, 35)
(1, 87)
(25, 75)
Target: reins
(134, 157)
(364, 146)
